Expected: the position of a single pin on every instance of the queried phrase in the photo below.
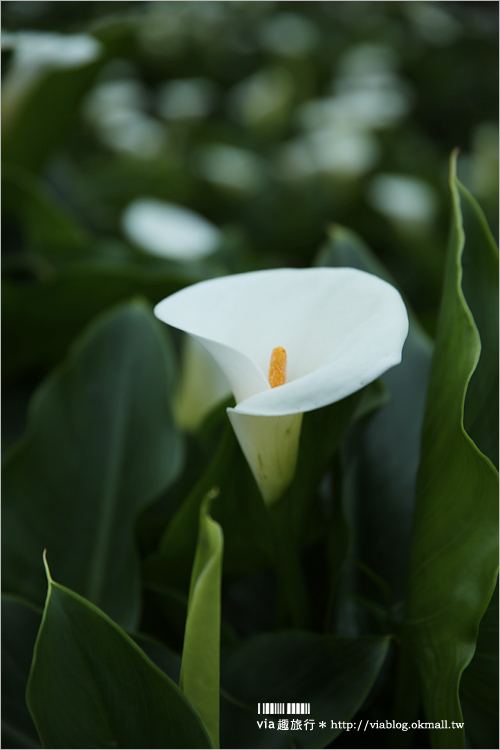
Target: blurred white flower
(402, 198)
(36, 53)
(169, 231)
(334, 151)
(41, 50)
(290, 341)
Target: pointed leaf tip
(46, 566)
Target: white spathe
(270, 446)
(341, 329)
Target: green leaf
(168, 661)
(200, 656)
(91, 686)
(479, 683)
(454, 556)
(20, 624)
(101, 445)
(480, 286)
(334, 675)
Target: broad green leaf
(381, 454)
(91, 686)
(454, 556)
(168, 661)
(100, 446)
(479, 683)
(41, 319)
(20, 624)
(200, 655)
(334, 675)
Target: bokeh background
(273, 121)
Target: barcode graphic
(279, 708)
(298, 708)
(271, 708)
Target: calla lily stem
(292, 594)
(407, 700)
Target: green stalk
(293, 597)
(407, 698)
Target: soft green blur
(272, 120)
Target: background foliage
(306, 134)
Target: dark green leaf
(101, 445)
(334, 675)
(20, 624)
(168, 661)
(91, 686)
(480, 286)
(454, 557)
(479, 683)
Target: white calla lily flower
(290, 341)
